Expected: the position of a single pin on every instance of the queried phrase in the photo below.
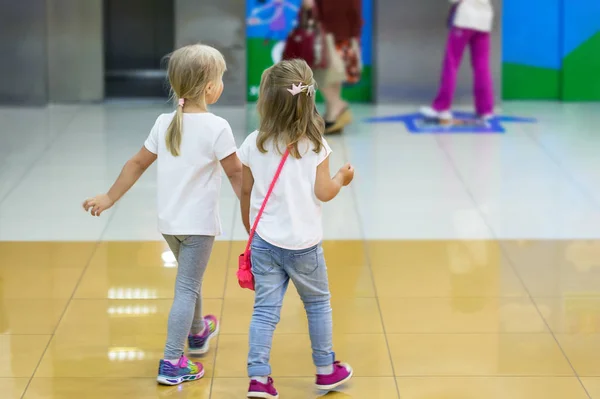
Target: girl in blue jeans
(287, 244)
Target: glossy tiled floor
(461, 267)
(427, 319)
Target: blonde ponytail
(191, 69)
(173, 137)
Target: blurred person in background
(470, 23)
(342, 22)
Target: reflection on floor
(416, 319)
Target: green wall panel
(581, 72)
(522, 82)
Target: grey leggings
(192, 254)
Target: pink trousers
(483, 87)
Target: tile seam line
(228, 259)
(499, 333)
(422, 298)
(70, 299)
(364, 240)
(503, 250)
(312, 376)
(565, 171)
(42, 154)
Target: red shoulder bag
(307, 40)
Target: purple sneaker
(262, 391)
(199, 344)
(342, 373)
(175, 374)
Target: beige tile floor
(416, 319)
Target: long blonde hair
(191, 69)
(287, 119)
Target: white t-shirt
(292, 216)
(189, 184)
(474, 14)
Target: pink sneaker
(262, 391)
(342, 373)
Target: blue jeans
(273, 269)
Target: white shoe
(486, 117)
(430, 113)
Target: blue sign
(271, 19)
(463, 122)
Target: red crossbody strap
(262, 208)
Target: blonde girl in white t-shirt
(192, 146)
(287, 243)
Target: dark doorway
(137, 35)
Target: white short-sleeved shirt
(189, 184)
(292, 217)
(474, 14)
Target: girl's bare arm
(247, 184)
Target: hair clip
(300, 88)
(181, 102)
(296, 89)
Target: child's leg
(194, 253)
(198, 323)
(271, 283)
(455, 47)
(483, 87)
(174, 244)
(308, 272)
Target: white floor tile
(534, 181)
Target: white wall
(23, 52)
(75, 51)
(221, 24)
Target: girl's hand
(347, 173)
(98, 204)
(308, 4)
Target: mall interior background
(68, 51)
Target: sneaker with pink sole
(262, 391)
(342, 373)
